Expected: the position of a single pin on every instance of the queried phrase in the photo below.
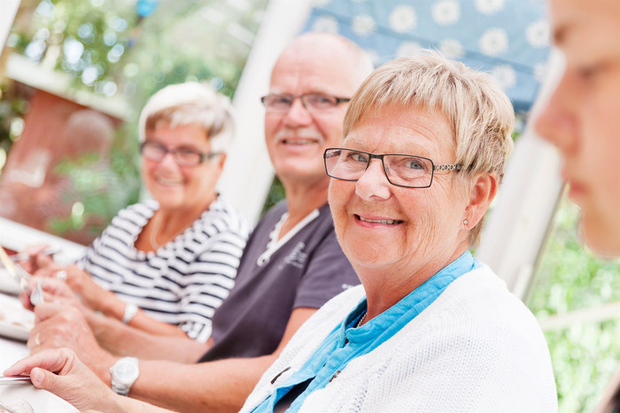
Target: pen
(14, 380)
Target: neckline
(272, 246)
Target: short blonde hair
(480, 114)
(190, 103)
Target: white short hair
(190, 103)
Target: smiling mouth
(164, 181)
(299, 141)
(380, 221)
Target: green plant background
(568, 278)
(132, 57)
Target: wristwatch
(124, 373)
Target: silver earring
(465, 222)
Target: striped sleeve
(211, 276)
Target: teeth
(381, 221)
(168, 181)
(300, 141)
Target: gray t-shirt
(306, 271)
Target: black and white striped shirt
(185, 280)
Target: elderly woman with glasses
(163, 265)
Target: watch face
(125, 372)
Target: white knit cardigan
(476, 348)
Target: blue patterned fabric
(507, 38)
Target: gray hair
(190, 103)
(480, 114)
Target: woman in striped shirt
(164, 265)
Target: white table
(10, 351)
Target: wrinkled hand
(62, 373)
(54, 290)
(79, 280)
(37, 260)
(59, 325)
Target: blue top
(347, 342)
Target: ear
(222, 160)
(483, 190)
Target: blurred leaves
(108, 48)
(570, 277)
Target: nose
(558, 121)
(297, 115)
(168, 161)
(373, 184)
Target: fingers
(36, 249)
(36, 258)
(73, 381)
(48, 271)
(59, 326)
(50, 309)
(25, 300)
(50, 360)
(51, 286)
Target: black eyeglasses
(408, 171)
(313, 102)
(182, 156)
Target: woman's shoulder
(144, 209)
(477, 309)
(135, 215)
(481, 293)
(220, 222)
(478, 325)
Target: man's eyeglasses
(313, 102)
(408, 171)
(182, 156)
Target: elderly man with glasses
(291, 266)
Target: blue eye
(358, 157)
(414, 164)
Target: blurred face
(583, 116)
(175, 187)
(296, 139)
(393, 229)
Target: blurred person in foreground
(164, 265)
(582, 120)
(291, 266)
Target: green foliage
(568, 278)
(107, 49)
(12, 111)
(276, 194)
